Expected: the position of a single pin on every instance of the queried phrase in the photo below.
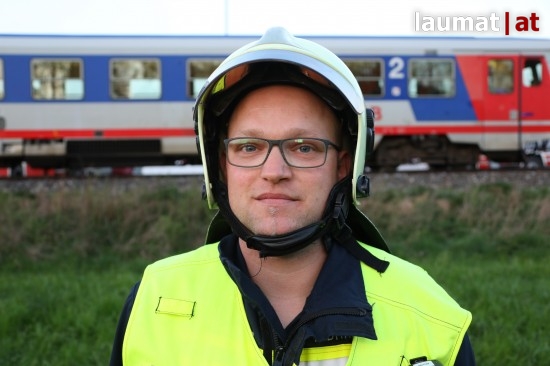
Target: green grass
(61, 316)
(68, 259)
(509, 301)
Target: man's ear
(223, 166)
(344, 164)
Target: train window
(135, 79)
(532, 72)
(198, 72)
(431, 77)
(501, 76)
(1, 79)
(57, 79)
(369, 74)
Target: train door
(513, 103)
(2, 118)
(501, 106)
(534, 99)
(2, 121)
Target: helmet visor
(237, 82)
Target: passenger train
(83, 101)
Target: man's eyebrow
(293, 132)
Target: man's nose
(275, 165)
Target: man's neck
(286, 281)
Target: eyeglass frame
(279, 144)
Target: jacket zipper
(280, 349)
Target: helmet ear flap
(362, 185)
(370, 133)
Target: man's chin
(277, 231)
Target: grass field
(68, 259)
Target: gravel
(379, 181)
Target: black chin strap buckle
(362, 188)
(339, 213)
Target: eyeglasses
(248, 152)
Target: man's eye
(304, 148)
(248, 148)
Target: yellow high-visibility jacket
(188, 311)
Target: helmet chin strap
(333, 220)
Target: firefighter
(292, 272)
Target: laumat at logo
(506, 23)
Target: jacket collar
(337, 305)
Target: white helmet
(280, 58)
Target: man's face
(275, 198)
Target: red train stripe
(443, 129)
(110, 133)
(479, 128)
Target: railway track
(379, 181)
